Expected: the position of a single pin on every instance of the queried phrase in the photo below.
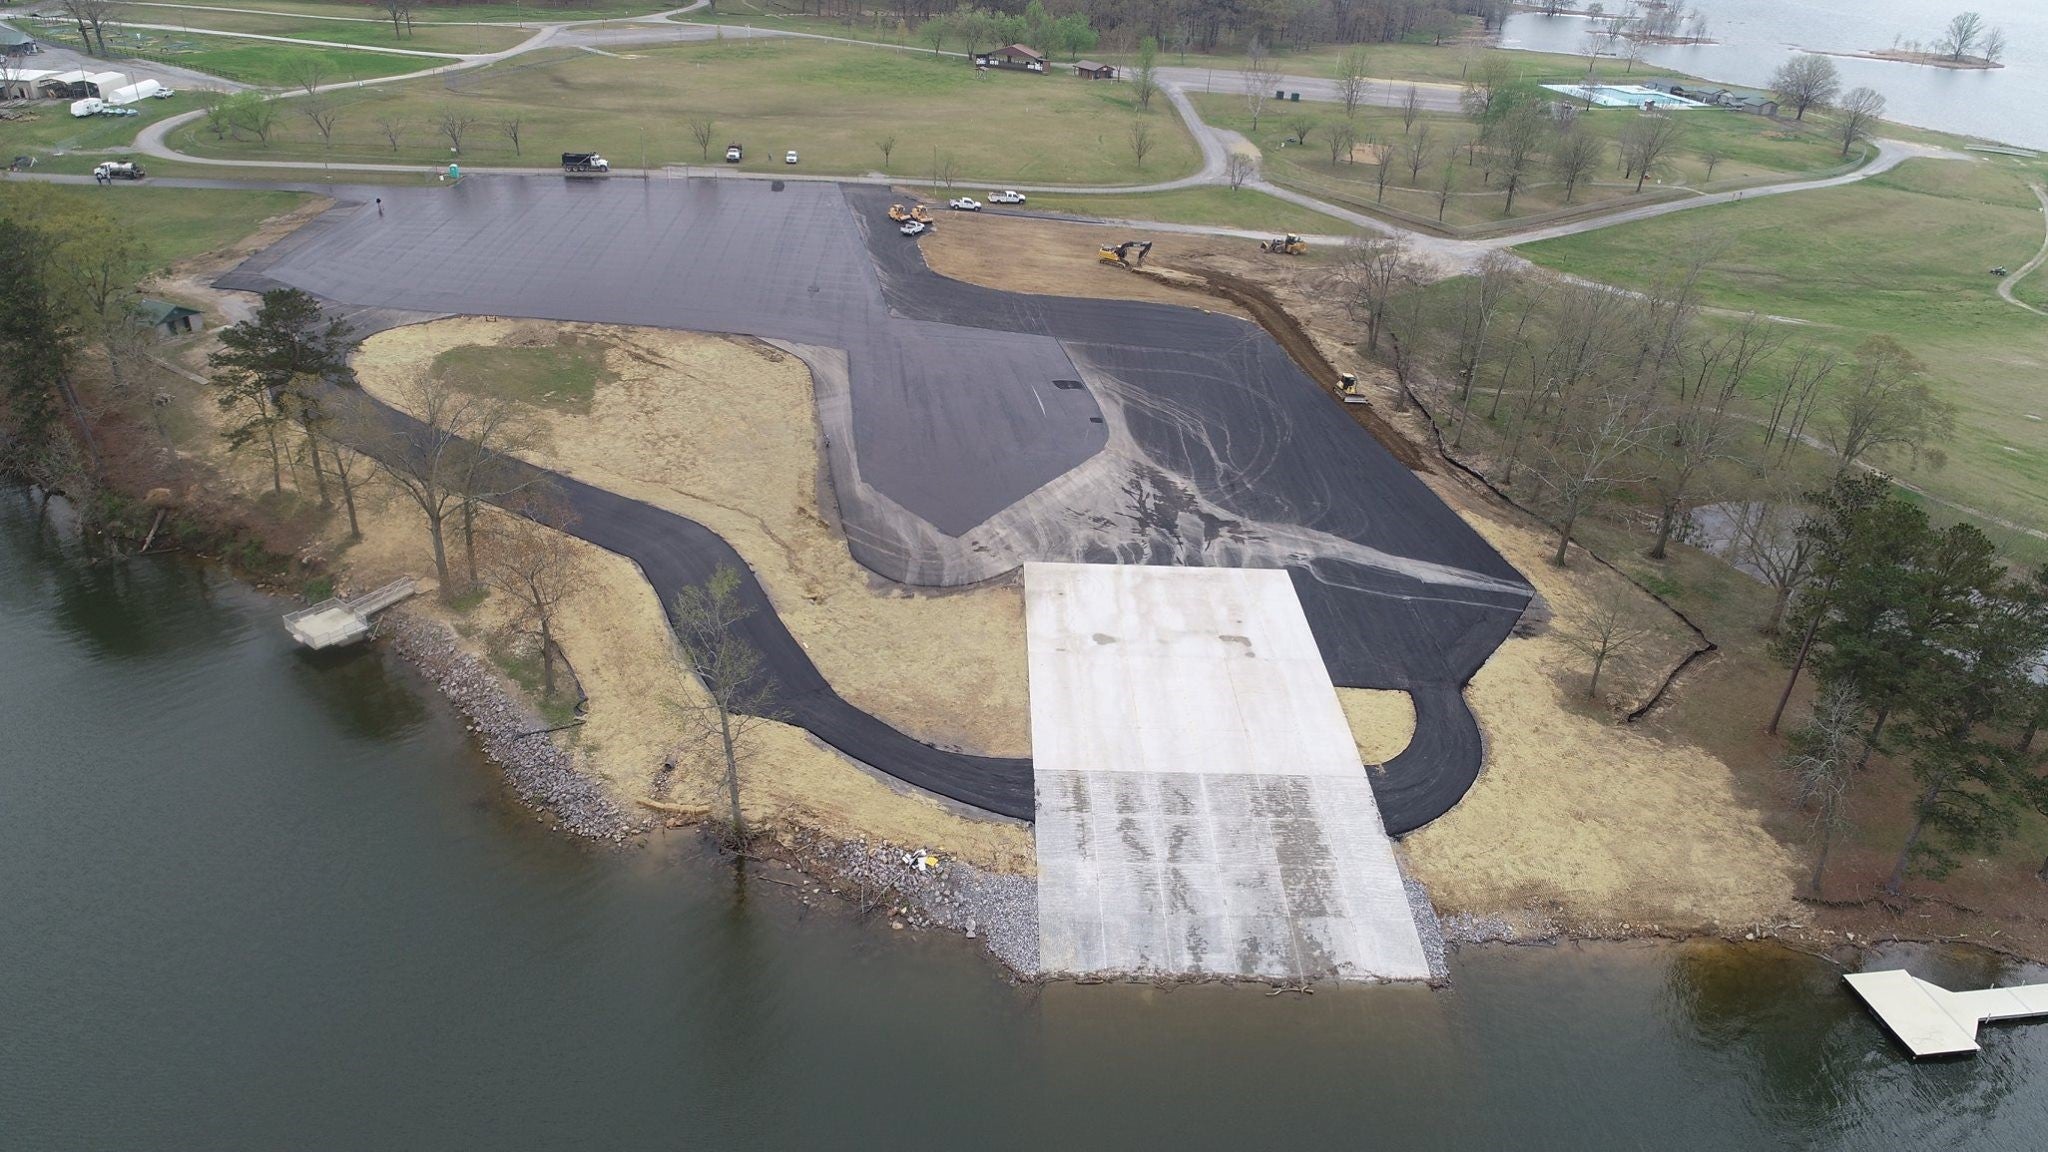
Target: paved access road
(970, 430)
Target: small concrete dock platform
(1931, 1020)
(335, 622)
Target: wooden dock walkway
(335, 622)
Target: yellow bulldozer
(1288, 245)
(917, 212)
(1129, 254)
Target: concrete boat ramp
(1931, 1020)
(1201, 807)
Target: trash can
(1279, 93)
(1294, 97)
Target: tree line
(1920, 644)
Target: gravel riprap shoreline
(542, 775)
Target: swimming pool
(1623, 96)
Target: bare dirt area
(1060, 259)
(1588, 819)
(723, 431)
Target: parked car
(912, 228)
(732, 153)
(789, 157)
(164, 93)
(964, 204)
(113, 110)
(1006, 196)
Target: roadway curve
(2006, 286)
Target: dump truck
(118, 170)
(732, 154)
(1288, 245)
(585, 164)
(1129, 254)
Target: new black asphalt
(962, 404)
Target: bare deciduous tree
(400, 12)
(1701, 421)
(885, 145)
(1239, 167)
(1601, 426)
(1446, 185)
(1261, 74)
(1574, 156)
(443, 456)
(704, 128)
(92, 18)
(1374, 270)
(1822, 761)
(510, 127)
(1859, 110)
(1884, 405)
(1384, 156)
(1299, 126)
(391, 128)
(1145, 73)
(1411, 109)
(1961, 34)
(1416, 152)
(1806, 81)
(324, 117)
(1140, 135)
(537, 566)
(738, 697)
(1610, 631)
(1646, 143)
(307, 73)
(1352, 82)
(453, 124)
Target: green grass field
(829, 102)
(1217, 206)
(261, 63)
(452, 13)
(1905, 254)
(563, 376)
(175, 223)
(1750, 148)
(364, 31)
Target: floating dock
(1931, 1020)
(333, 623)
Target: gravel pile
(1466, 928)
(998, 908)
(542, 775)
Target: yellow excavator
(1288, 245)
(917, 212)
(1130, 254)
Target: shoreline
(1923, 59)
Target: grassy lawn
(1432, 63)
(1905, 254)
(830, 102)
(563, 375)
(256, 62)
(424, 38)
(176, 223)
(1218, 206)
(448, 13)
(55, 130)
(1750, 149)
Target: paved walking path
(2006, 285)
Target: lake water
(1755, 36)
(251, 900)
